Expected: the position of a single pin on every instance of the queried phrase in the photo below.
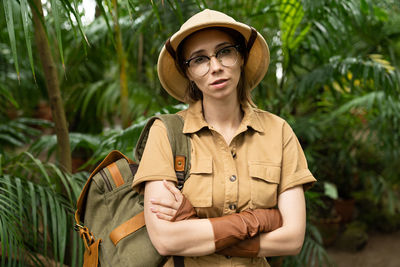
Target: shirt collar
(194, 119)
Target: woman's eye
(225, 51)
(199, 60)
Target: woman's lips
(219, 83)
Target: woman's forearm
(196, 237)
(184, 238)
(288, 239)
(227, 230)
(280, 242)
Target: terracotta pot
(329, 229)
(345, 209)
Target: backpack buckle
(85, 234)
(78, 226)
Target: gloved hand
(234, 234)
(230, 229)
(185, 211)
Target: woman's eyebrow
(197, 52)
(222, 44)
(202, 51)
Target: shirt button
(233, 152)
(232, 206)
(228, 257)
(232, 178)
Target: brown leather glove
(230, 229)
(270, 219)
(185, 211)
(250, 247)
(246, 248)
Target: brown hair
(193, 93)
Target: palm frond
(45, 219)
(312, 254)
(348, 70)
(21, 131)
(292, 32)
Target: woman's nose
(215, 64)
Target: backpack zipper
(106, 181)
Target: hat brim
(176, 84)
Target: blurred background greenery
(78, 79)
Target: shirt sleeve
(157, 160)
(294, 164)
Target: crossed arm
(196, 237)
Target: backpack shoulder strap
(180, 143)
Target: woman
(244, 161)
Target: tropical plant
(312, 254)
(36, 206)
(334, 76)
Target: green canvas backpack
(109, 215)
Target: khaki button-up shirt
(263, 160)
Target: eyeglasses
(200, 65)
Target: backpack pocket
(133, 249)
(111, 201)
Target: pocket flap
(201, 165)
(265, 171)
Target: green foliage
(20, 131)
(334, 76)
(98, 146)
(312, 253)
(37, 202)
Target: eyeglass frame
(236, 46)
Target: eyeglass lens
(200, 65)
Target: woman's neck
(223, 116)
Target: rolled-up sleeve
(294, 164)
(157, 160)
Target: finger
(163, 210)
(177, 194)
(165, 203)
(163, 216)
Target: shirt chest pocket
(198, 187)
(265, 178)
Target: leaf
(10, 139)
(40, 165)
(57, 25)
(380, 13)
(4, 239)
(155, 10)
(43, 201)
(60, 176)
(8, 96)
(20, 200)
(104, 13)
(68, 6)
(330, 190)
(32, 194)
(11, 32)
(54, 226)
(62, 233)
(25, 21)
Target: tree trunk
(140, 57)
(122, 68)
(52, 84)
